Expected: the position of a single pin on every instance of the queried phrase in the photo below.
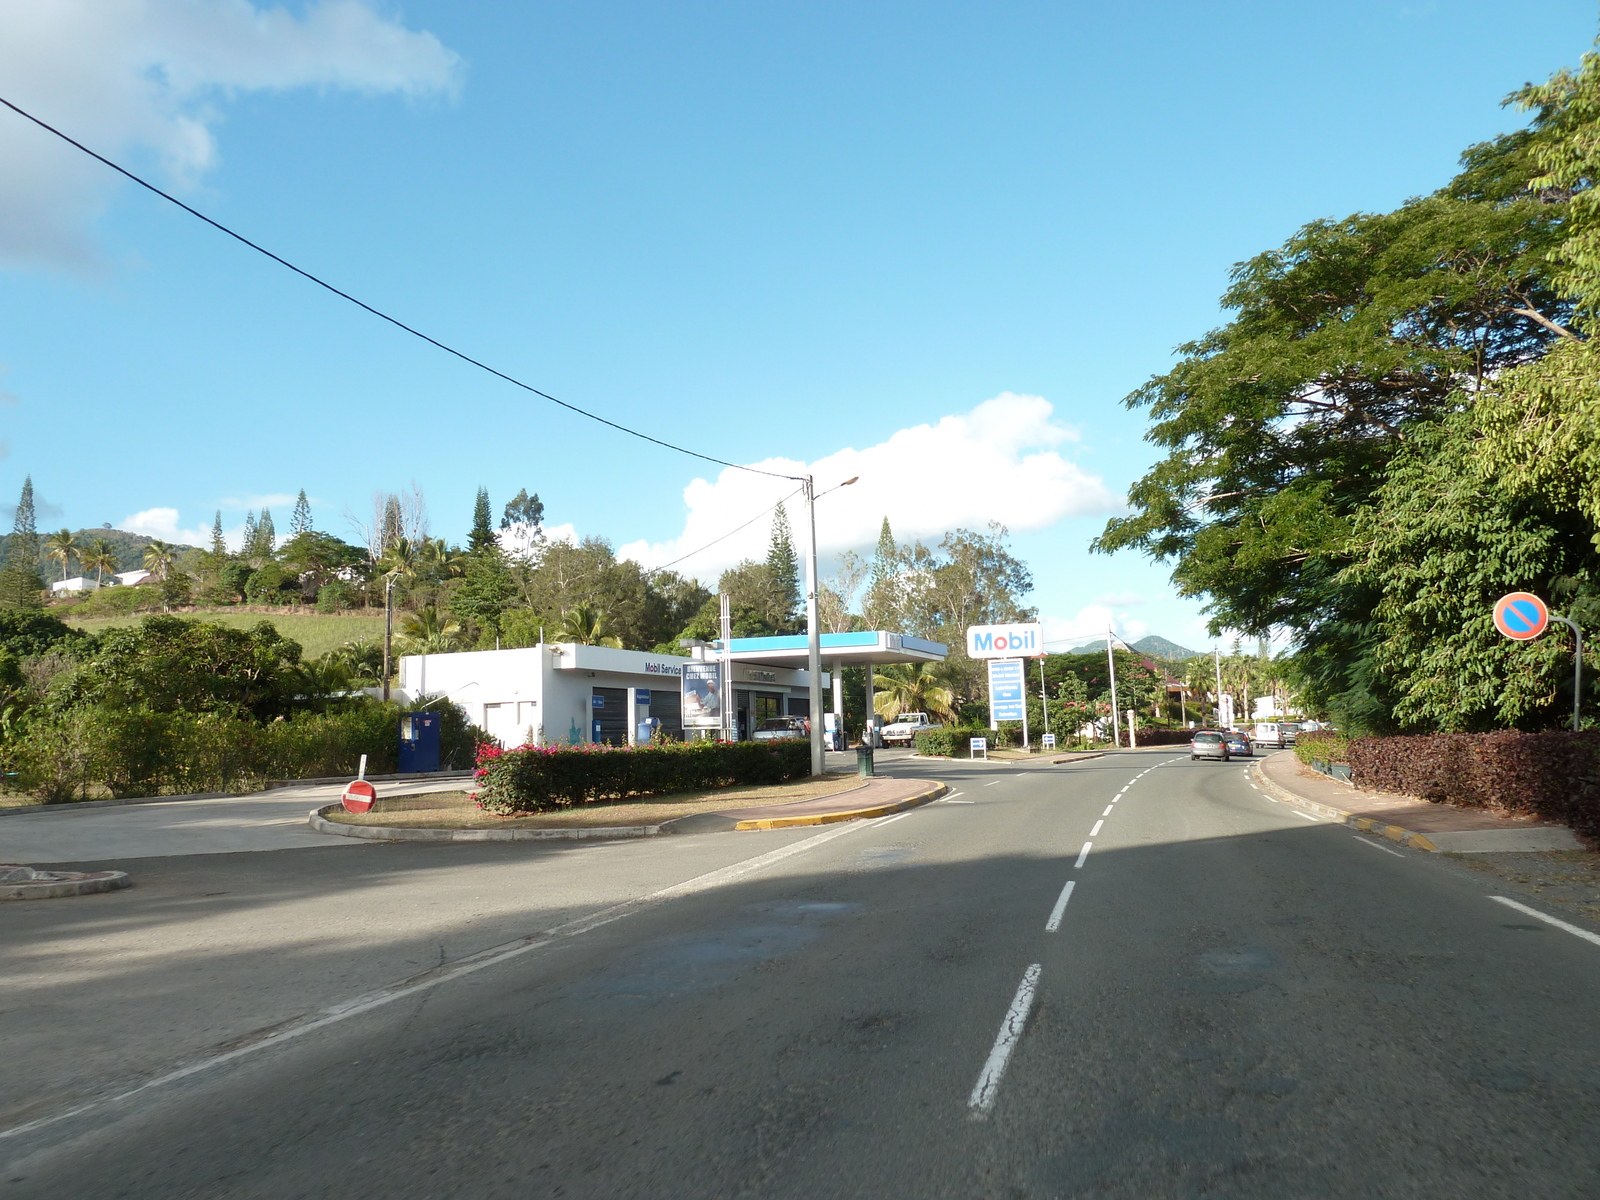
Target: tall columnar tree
(300, 519)
(247, 544)
(219, 545)
(266, 536)
(882, 605)
(393, 524)
(782, 564)
(20, 585)
(482, 535)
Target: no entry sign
(1521, 616)
(359, 796)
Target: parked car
(1237, 743)
(903, 729)
(1207, 743)
(775, 729)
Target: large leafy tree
(1278, 427)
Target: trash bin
(864, 761)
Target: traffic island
(19, 882)
(455, 817)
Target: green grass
(316, 633)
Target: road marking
(1549, 920)
(983, 1092)
(950, 800)
(1375, 846)
(891, 820)
(953, 795)
(446, 972)
(1298, 813)
(1109, 807)
(1082, 855)
(1054, 923)
(1096, 830)
(992, 782)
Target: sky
(932, 246)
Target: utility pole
(388, 631)
(1111, 664)
(1216, 657)
(1044, 698)
(813, 630)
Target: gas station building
(566, 693)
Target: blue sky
(861, 236)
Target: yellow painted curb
(1395, 833)
(854, 814)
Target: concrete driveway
(273, 820)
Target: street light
(814, 623)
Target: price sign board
(1007, 700)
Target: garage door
(610, 708)
(669, 708)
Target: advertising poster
(702, 695)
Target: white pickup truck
(904, 728)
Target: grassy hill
(316, 633)
(1159, 647)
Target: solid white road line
(1095, 832)
(1082, 855)
(948, 800)
(992, 782)
(983, 1092)
(891, 820)
(445, 973)
(1375, 846)
(1109, 807)
(1054, 923)
(1549, 920)
(1298, 813)
(953, 795)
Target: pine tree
(482, 535)
(300, 521)
(247, 544)
(266, 536)
(20, 583)
(393, 524)
(783, 565)
(219, 547)
(881, 607)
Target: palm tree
(913, 687)
(62, 547)
(587, 626)
(99, 556)
(440, 561)
(426, 632)
(158, 559)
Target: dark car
(1207, 743)
(1237, 743)
(778, 728)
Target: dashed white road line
(1054, 923)
(994, 1069)
(1109, 807)
(992, 782)
(1298, 813)
(1095, 832)
(1375, 846)
(1549, 920)
(953, 800)
(1083, 855)
(890, 820)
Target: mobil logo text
(1005, 641)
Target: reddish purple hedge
(1551, 775)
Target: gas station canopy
(843, 649)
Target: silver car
(1207, 743)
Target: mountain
(129, 548)
(1159, 647)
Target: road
(1234, 1000)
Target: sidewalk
(1418, 823)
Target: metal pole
(1216, 656)
(1577, 671)
(1111, 664)
(1044, 698)
(813, 631)
(729, 716)
(388, 631)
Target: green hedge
(540, 778)
(955, 742)
(1327, 745)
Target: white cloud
(162, 523)
(140, 79)
(999, 462)
(1089, 626)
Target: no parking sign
(1521, 616)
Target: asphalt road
(1235, 1000)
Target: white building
(76, 584)
(567, 693)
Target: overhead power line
(380, 314)
(727, 535)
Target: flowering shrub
(541, 778)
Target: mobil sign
(1005, 641)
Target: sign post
(359, 795)
(1522, 616)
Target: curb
(272, 785)
(83, 885)
(853, 814)
(392, 833)
(1395, 833)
